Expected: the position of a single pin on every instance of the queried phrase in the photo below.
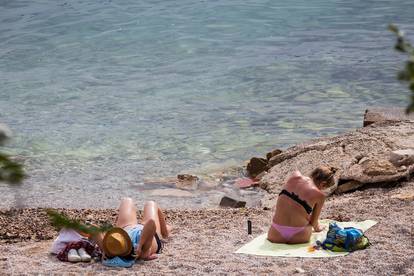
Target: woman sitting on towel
(299, 205)
(132, 240)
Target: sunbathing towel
(261, 246)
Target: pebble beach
(204, 241)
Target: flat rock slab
(394, 114)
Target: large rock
(362, 155)
(402, 157)
(256, 166)
(390, 114)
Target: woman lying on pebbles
(122, 244)
(299, 205)
(132, 240)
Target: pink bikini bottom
(287, 232)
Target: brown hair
(323, 174)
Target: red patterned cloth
(91, 249)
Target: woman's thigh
(127, 213)
(151, 212)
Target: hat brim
(126, 237)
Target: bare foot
(169, 228)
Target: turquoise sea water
(102, 95)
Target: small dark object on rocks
(348, 186)
(249, 227)
(256, 166)
(233, 203)
(188, 177)
(187, 182)
(275, 152)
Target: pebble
(299, 270)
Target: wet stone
(233, 203)
(256, 166)
(275, 152)
(187, 182)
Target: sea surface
(106, 97)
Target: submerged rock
(187, 182)
(245, 182)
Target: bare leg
(152, 211)
(164, 227)
(127, 215)
(154, 222)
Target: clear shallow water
(102, 95)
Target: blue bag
(346, 239)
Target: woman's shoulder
(297, 178)
(316, 194)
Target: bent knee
(127, 200)
(150, 223)
(126, 205)
(151, 203)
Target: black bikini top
(296, 198)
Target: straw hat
(117, 242)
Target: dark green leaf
(60, 221)
(10, 171)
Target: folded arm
(143, 250)
(314, 221)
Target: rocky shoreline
(379, 154)
(376, 159)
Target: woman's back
(298, 207)
(290, 212)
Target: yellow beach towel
(261, 246)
